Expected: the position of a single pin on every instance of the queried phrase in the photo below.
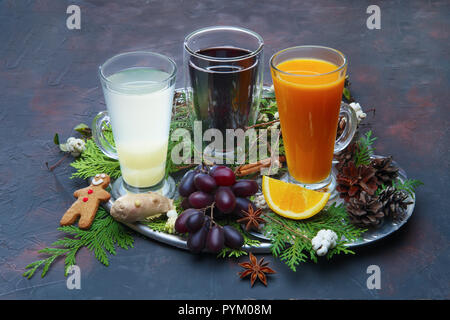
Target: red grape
(204, 182)
(215, 239)
(180, 223)
(195, 221)
(187, 184)
(185, 204)
(215, 167)
(196, 241)
(245, 188)
(242, 204)
(200, 199)
(233, 238)
(225, 199)
(224, 176)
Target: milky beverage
(140, 117)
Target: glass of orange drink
(308, 83)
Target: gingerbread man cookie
(87, 203)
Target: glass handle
(100, 121)
(350, 127)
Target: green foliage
(346, 91)
(93, 161)
(346, 94)
(291, 239)
(182, 118)
(364, 149)
(84, 130)
(409, 186)
(56, 139)
(157, 224)
(104, 236)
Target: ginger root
(138, 207)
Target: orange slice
(291, 200)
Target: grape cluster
(210, 193)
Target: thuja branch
(285, 226)
(105, 235)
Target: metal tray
(370, 236)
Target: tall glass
(308, 82)
(224, 76)
(138, 88)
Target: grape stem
(212, 215)
(211, 207)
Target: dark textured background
(49, 83)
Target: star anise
(252, 218)
(256, 270)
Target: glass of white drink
(138, 89)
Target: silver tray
(388, 227)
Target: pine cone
(386, 172)
(352, 180)
(394, 202)
(345, 156)
(365, 210)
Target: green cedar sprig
(409, 186)
(104, 236)
(291, 239)
(364, 149)
(93, 161)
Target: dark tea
(226, 87)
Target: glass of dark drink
(224, 76)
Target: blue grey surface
(49, 83)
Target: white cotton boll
(332, 235)
(326, 234)
(324, 240)
(356, 106)
(172, 214)
(322, 234)
(169, 227)
(260, 202)
(326, 243)
(358, 110)
(332, 244)
(75, 146)
(316, 243)
(322, 251)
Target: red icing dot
(85, 199)
(90, 191)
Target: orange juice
(308, 95)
